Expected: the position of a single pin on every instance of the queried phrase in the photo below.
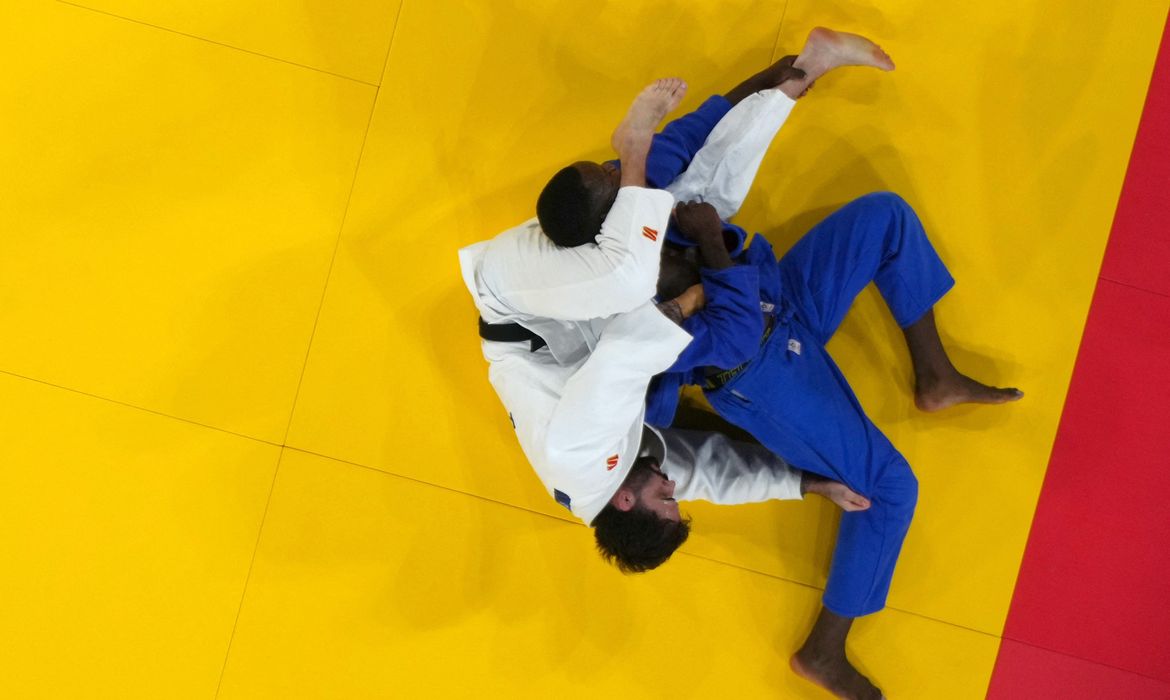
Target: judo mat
(249, 449)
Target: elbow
(630, 279)
(615, 293)
(626, 290)
(633, 294)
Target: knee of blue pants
(911, 276)
(870, 541)
(889, 201)
(898, 487)
(880, 220)
(888, 217)
(894, 497)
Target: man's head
(641, 525)
(573, 204)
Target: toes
(675, 86)
(1005, 394)
(997, 395)
(671, 90)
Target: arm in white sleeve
(723, 170)
(710, 467)
(524, 272)
(607, 395)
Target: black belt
(716, 379)
(509, 333)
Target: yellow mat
(248, 445)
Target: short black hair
(565, 209)
(637, 540)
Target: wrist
(714, 253)
(672, 310)
(632, 160)
(709, 245)
(691, 300)
(812, 483)
(633, 174)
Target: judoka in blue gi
(759, 354)
(759, 327)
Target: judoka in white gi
(577, 403)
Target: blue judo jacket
(727, 331)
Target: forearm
(770, 77)
(700, 223)
(684, 305)
(672, 310)
(814, 483)
(841, 495)
(606, 394)
(709, 467)
(633, 156)
(752, 85)
(713, 251)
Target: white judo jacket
(578, 405)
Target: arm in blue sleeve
(674, 147)
(662, 399)
(727, 331)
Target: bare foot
(652, 104)
(835, 675)
(826, 49)
(935, 394)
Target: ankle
(820, 655)
(813, 64)
(634, 147)
(933, 373)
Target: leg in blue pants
(795, 400)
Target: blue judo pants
(795, 401)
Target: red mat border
(1141, 229)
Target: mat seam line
(779, 31)
(1135, 287)
(286, 448)
(151, 411)
(308, 352)
(329, 272)
(214, 42)
(393, 36)
(1078, 657)
(575, 523)
(248, 578)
